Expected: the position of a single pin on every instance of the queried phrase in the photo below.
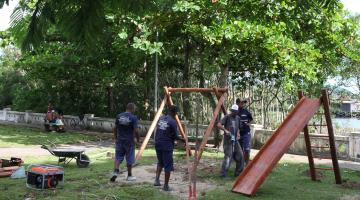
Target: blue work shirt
(166, 133)
(126, 124)
(245, 118)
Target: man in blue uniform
(232, 150)
(125, 131)
(245, 136)
(165, 136)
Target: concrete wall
(348, 146)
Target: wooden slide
(255, 173)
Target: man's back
(126, 124)
(166, 133)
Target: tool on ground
(12, 162)
(7, 167)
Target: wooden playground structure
(255, 173)
(221, 94)
(269, 155)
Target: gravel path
(36, 150)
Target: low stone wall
(348, 146)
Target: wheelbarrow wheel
(84, 162)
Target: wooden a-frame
(220, 93)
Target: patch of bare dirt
(319, 174)
(351, 185)
(178, 180)
(30, 196)
(349, 197)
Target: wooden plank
(177, 119)
(188, 150)
(5, 174)
(308, 146)
(172, 90)
(218, 96)
(151, 129)
(326, 104)
(12, 168)
(211, 126)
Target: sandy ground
(178, 180)
(36, 150)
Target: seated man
(53, 118)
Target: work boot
(157, 182)
(166, 188)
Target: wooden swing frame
(220, 93)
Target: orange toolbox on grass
(44, 176)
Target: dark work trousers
(232, 150)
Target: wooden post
(210, 127)
(218, 96)
(326, 103)
(308, 146)
(151, 128)
(188, 150)
(182, 132)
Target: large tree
(289, 43)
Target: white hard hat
(234, 108)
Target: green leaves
(147, 46)
(185, 6)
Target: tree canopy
(95, 55)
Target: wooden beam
(187, 146)
(181, 129)
(151, 128)
(210, 127)
(308, 146)
(218, 96)
(172, 90)
(326, 103)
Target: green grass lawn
(14, 136)
(286, 181)
(82, 183)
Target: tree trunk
(111, 104)
(224, 75)
(187, 81)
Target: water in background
(347, 123)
